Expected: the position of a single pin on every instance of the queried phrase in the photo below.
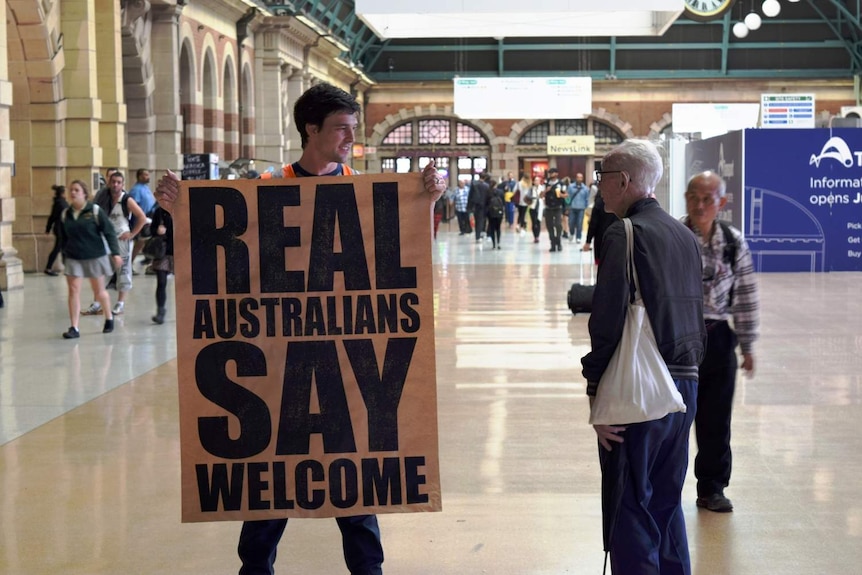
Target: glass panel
(465, 164)
(466, 134)
(605, 135)
(570, 127)
(537, 135)
(387, 165)
(434, 132)
(400, 135)
(402, 165)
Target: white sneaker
(118, 307)
(94, 309)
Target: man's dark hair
(117, 174)
(318, 103)
(139, 172)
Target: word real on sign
(305, 340)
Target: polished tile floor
(89, 474)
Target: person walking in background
(644, 464)
(578, 196)
(479, 205)
(53, 225)
(554, 196)
(496, 211)
(461, 211)
(163, 226)
(142, 194)
(729, 291)
(85, 228)
(128, 219)
(522, 203)
(535, 207)
(510, 191)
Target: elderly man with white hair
(644, 464)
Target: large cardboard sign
(305, 336)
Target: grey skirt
(93, 268)
(165, 264)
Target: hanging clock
(705, 10)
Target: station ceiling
(808, 39)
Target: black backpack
(496, 208)
(729, 255)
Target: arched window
(454, 145)
(606, 135)
(571, 127)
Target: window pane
(537, 135)
(434, 132)
(605, 135)
(570, 127)
(466, 134)
(402, 165)
(400, 135)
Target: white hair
(641, 160)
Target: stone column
(269, 118)
(109, 78)
(139, 83)
(81, 90)
(11, 273)
(298, 83)
(165, 54)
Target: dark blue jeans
(576, 223)
(360, 537)
(649, 535)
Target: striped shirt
(719, 277)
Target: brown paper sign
(305, 340)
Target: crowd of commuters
(481, 205)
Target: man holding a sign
(326, 118)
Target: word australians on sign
(306, 348)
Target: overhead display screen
(523, 98)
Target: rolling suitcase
(580, 295)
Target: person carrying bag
(636, 386)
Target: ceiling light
(771, 8)
(752, 21)
(512, 19)
(740, 30)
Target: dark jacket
(82, 238)
(163, 218)
(552, 202)
(667, 257)
(478, 199)
(53, 224)
(600, 221)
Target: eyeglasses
(598, 175)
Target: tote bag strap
(630, 258)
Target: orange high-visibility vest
(288, 172)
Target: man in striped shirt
(729, 291)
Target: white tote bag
(636, 386)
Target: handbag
(156, 247)
(636, 386)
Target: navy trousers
(717, 383)
(648, 535)
(360, 537)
